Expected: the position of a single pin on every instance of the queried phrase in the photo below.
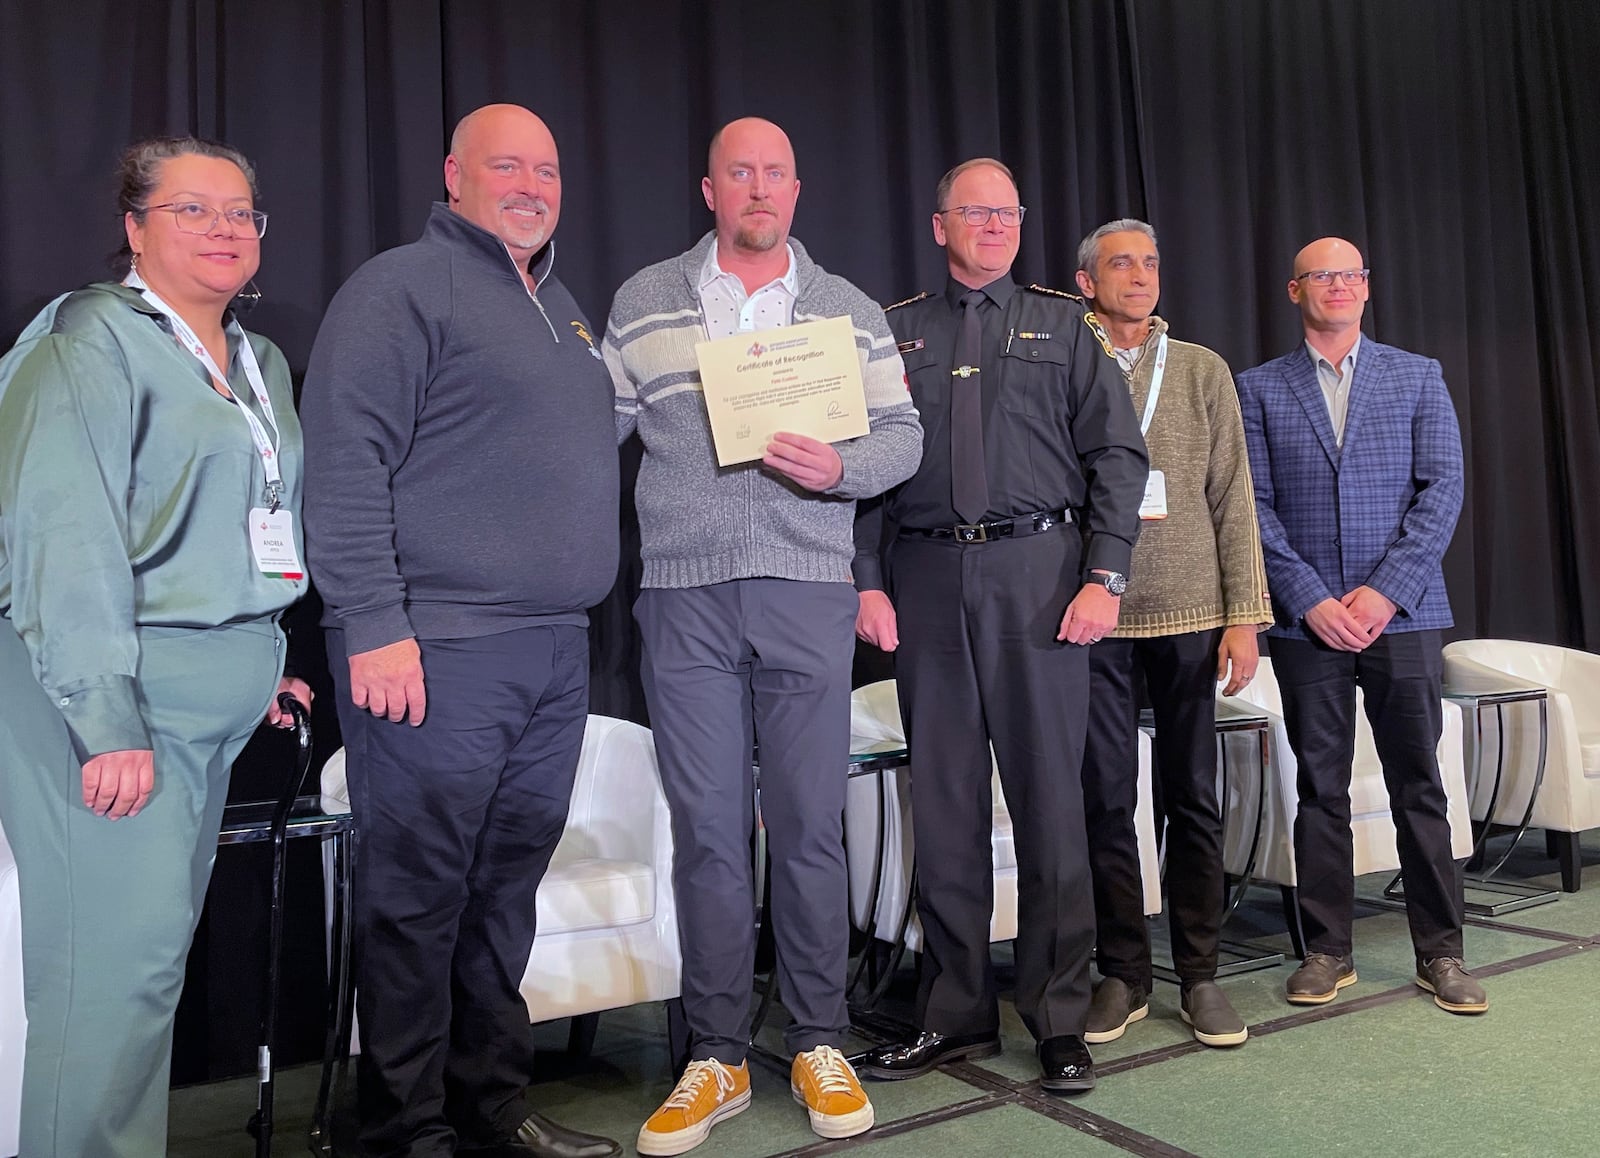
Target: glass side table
(1478, 699)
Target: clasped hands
(1353, 622)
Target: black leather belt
(1000, 529)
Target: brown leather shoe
(1451, 985)
(1319, 979)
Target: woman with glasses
(150, 465)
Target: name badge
(1154, 505)
(272, 543)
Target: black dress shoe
(539, 1137)
(1066, 1065)
(927, 1051)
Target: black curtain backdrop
(1455, 141)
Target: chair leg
(1291, 918)
(580, 1038)
(1564, 846)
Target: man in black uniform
(1007, 553)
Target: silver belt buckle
(971, 533)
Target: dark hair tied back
(139, 172)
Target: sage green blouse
(125, 486)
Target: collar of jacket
(448, 226)
(691, 263)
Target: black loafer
(1066, 1065)
(539, 1137)
(926, 1052)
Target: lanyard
(265, 443)
(1155, 386)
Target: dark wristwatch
(1113, 581)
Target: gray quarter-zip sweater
(461, 463)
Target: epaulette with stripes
(1055, 293)
(907, 302)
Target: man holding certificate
(1010, 556)
(746, 608)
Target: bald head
(503, 174)
(1327, 253)
(492, 120)
(740, 131)
(1333, 309)
(750, 186)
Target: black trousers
(456, 822)
(1399, 675)
(1180, 673)
(979, 662)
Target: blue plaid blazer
(1381, 510)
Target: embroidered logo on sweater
(584, 334)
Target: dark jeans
(1399, 675)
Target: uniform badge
(908, 347)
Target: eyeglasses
(978, 215)
(1326, 276)
(192, 217)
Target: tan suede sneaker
(707, 1093)
(823, 1082)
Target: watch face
(1115, 583)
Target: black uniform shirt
(1058, 425)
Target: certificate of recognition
(803, 379)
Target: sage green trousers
(109, 907)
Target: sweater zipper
(533, 297)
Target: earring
(247, 299)
(133, 262)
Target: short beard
(757, 238)
(542, 227)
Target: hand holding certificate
(803, 379)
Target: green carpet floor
(1379, 1072)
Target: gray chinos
(769, 658)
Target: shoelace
(1456, 961)
(694, 1080)
(832, 1073)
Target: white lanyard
(266, 445)
(1155, 385)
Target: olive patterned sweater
(1201, 566)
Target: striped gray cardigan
(700, 523)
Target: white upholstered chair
(13, 1021)
(1370, 823)
(1568, 801)
(875, 720)
(607, 925)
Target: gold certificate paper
(803, 379)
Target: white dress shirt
(728, 310)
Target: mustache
(537, 204)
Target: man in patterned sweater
(746, 616)
(1197, 598)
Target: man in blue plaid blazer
(1356, 458)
